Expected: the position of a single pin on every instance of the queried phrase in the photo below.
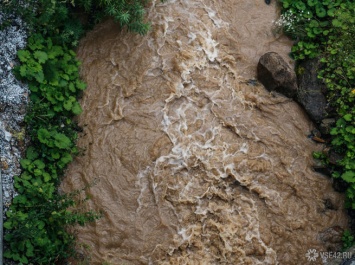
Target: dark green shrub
(308, 22)
(126, 13)
(63, 20)
(39, 216)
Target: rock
(349, 261)
(8, 136)
(340, 185)
(326, 125)
(334, 157)
(310, 90)
(323, 170)
(276, 75)
(343, 258)
(316, 136)
(316, 133)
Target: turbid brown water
(193, 164)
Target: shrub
(60, 19)
(39, 216)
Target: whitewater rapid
(194, 163)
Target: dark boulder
(326, 125)
(324, 170)
(334, 157)
(310, 90)
(340, 185)
(276, 75)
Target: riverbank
(39, 220)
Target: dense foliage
(126, 13)
(38, 221)
(38, 217)
(326, 29)
(65, 21)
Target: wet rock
(310, 90)
(316, 136)
(326, 125)
(276, 75)
(323, 170)
(340, 185)
(349, 261)
(334, 157)
(316, 133)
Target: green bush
(38, 218)
(64, 21)
(348, 239)
(49, 18)
(126, 13)
(38, 227)
(308, 22)
(51, 72)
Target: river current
(193, 162)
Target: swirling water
(194, 163)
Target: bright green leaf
(348, 176)
(46, 177)
(25, 163)
(321, 12)
(43, 135)
(62, 141)
(76, 109)
(41, 56)
(23, 55)
(347, 117)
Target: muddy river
(193, 162)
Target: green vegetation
(348, 239)
(65, 21)
(39, 219)
(326, 29)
